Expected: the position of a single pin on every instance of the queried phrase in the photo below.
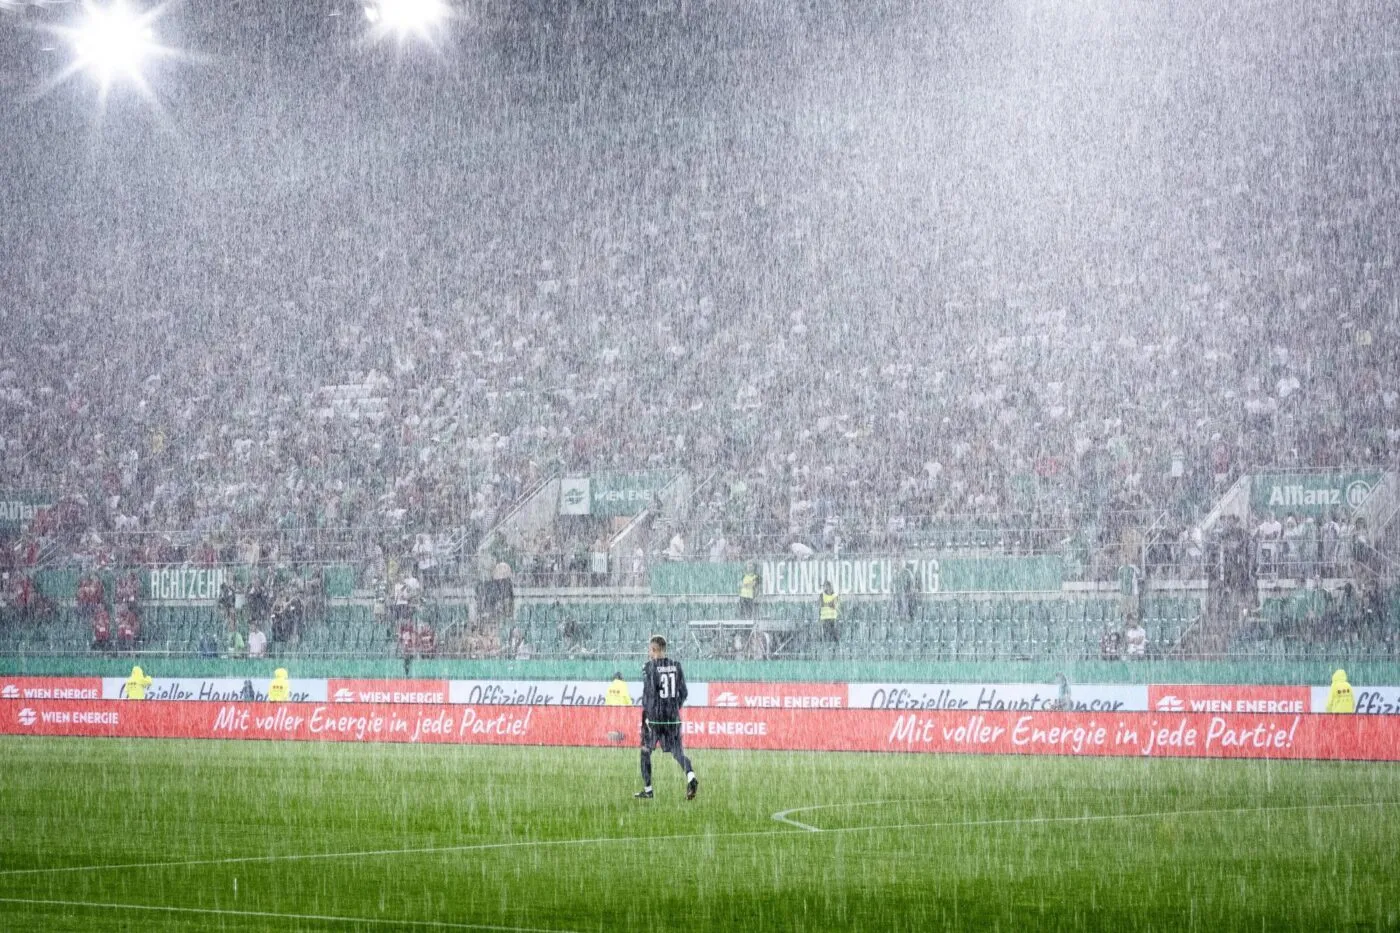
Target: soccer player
(663, 694)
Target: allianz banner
(1313, 494)
(864, 577)
(18, 508)
(611, 494)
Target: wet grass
(906, 842)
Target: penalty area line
(272, 915)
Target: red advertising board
(1227, 698)
(1198, 735)
(50, 688)
(753, 695)
(387, 691)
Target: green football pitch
(161, 835)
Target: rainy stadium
(699, 465)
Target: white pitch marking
(782, 815)
(1086, 818)
(546, 843)
(214, 911)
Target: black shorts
(665, 735)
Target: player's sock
(690, 775)
(648, 788)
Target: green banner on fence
(611, 494)
(181, 584)
(1310, 493)
(17, 508)
(865, 576)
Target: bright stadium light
(113, 42)
(403, 18)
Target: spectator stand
(1222, 599)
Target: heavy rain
(699, 464)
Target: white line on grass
(214, 911)
(782, 815)
(602, 840)
(1085, 818)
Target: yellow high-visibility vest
(136, 685)
(749, 587)
(830, 609)
(1339, 697)
(618, 694)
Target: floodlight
(406, 17)
(113, 42)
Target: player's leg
(678, 752)
(648, 742)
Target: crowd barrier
(952, 697)
(1135, 734)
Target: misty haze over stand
(1034, 257)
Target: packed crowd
(859, 325)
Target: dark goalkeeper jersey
(663, 690)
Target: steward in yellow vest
(136, 684)
(279, 690)
(1339, 697)
(618, 694)
(830, 612)
(749, 588)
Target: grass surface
(954, 843)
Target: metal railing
(761, 540)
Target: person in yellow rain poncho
(1340, 698)
(618, 694)
(279, 689)
(136, 685)
(829, 612)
